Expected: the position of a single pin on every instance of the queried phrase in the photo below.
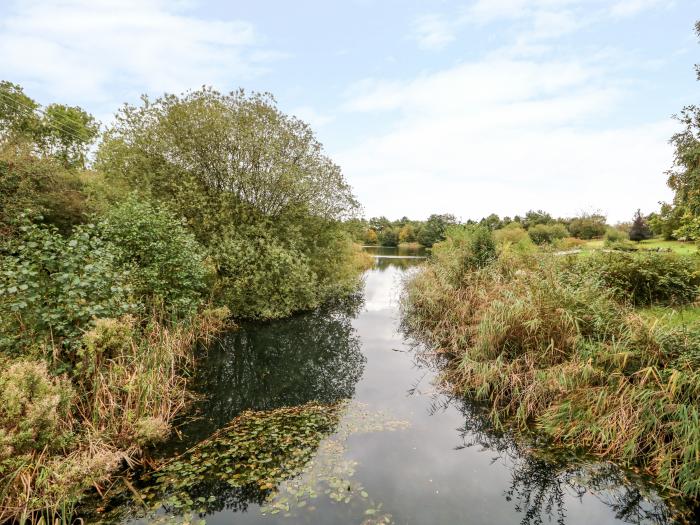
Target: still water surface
(444, 465)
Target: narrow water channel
(435, 462)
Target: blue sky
(444, 106)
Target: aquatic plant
(282, 460)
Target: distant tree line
(538, 226)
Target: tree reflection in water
(312, 357)
(315, 356)
(542, 479)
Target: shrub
(51, 287)
(646, 278)
(614, 235)
(258, 278)
(466, 248)
(167, 260)
(568, 243)
(547, 233)
(588, 226)
(389, 237)
(513, 233)
(34, 409)
(41, 185)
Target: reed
(554, 348)
(128, 386)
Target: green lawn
(651, 244)
(681, 316)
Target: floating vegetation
(283, 460)
(331, 473)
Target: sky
(464, 107)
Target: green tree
(67, 132)
(389, 237)
(253, 185)
(433, 230)
(684, 176)
(639, 230)
(18, 117)
(547, 233)
(533, 218)
(61, 132)
(492, 222)
(588, 226)
(222, 157)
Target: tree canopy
(226, 152)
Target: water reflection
(405, 250)
(542, 481)
(314, 356)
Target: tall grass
(557, 350)
(61, 437)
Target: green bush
(646, 278)
(614, 235)
(168, 262)
(389, 237)
(588, 226)
(465, 249)
(513, 233)
(258, 278)
(547, 233)
(51, 287)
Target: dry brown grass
(129, 385)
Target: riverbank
(112, 270)
(555, 345)
(63, 438)
(391, 448)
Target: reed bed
(555, 348)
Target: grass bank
(557, 344)
(679, 247)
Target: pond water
(408, 454)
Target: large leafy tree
(684, 176)
(225, 153)
(433, 230)
(253, 184)
(59, 131)
(42, 153)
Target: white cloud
(624, 8)
(536, 21)
(505, 136)
(89, 50)
(433, 31)
(486, 11)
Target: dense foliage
(200, 207)
(681, 219)
(645, 278)
(254, 187)
(541, 227)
